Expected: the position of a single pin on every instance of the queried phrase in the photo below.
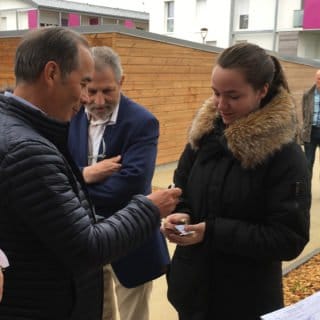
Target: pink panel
(129, 24)
(74, 20)
(33, 19)
(311, 14)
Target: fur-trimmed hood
(253, 138)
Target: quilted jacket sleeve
(42, 200)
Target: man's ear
(51, 72)
(122, 80)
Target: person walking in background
(311, 121)
(48, 229)
(114, 142)
(245, 194)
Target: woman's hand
(195, 231)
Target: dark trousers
(202, 315)
(310, 147)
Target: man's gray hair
(103, 57)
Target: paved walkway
(160, 307)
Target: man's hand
(101, 170)
(166, 200)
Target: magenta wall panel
(33, 19)
(311, 14)
(129, 24)
(74, 20)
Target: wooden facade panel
(170, 80)
(145, 85)
(162, 61)
(163, 92)
(160, 51)
(167, 69)
(7, 52)
(171, 76)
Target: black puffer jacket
(250, 183)
(55, 246)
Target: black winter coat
(250, 183)
(48, 230)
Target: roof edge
(111, 28)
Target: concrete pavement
(161, 309)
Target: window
(243, 21)
(93, 21)
(169, 7)
(64, 19)
(297, 18)
(64, 22)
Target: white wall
(11, 20)
(309, 46)
(261, 14)
(285, 13)
(49, 18)
(137, 5)
(13, 4)
(219, 22)
(156, 23)
(264, 40)
(186, 24)
(10, 8)
(9, 14)
(23, 21)
(241, 7)
(217, 19)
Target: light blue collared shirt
(316, 109)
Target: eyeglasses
(99, 156)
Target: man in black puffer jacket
(55, 244)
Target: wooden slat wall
(170, 80)
(300, 78)
(7, 51)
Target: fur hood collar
(255, 137)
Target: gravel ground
(302, 281)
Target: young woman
(246, 194)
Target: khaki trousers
(133, 303)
